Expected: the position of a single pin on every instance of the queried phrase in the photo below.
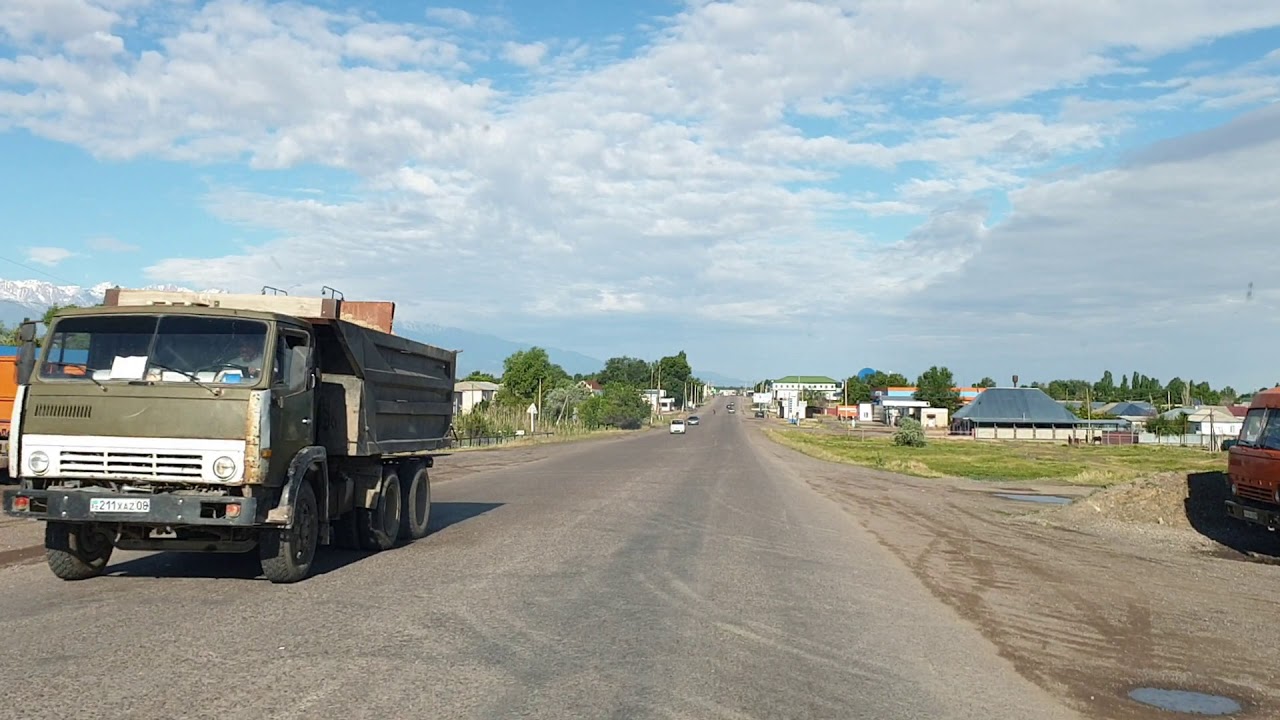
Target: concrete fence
(1093, 436)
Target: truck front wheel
(76, 552)
(287, 555)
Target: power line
(37, 270)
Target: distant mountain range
(480, 351)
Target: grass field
(1080, 465)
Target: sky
(1031, 187)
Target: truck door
(293, 395)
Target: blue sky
(775, 187)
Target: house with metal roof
(1024, 414)
(1207, 420)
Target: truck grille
(1255, 493)
(137, 464)
(77, 412)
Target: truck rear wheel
(287, 555)
(416, 487)
(76, 552)
(379, 527)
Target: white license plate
(1251, 514)
(119, 505)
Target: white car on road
(677, 426)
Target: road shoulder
(1088, 613)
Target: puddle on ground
(1185, 701)
(1043, 499)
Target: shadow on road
(245, 566)
(445, 514)
(1206, 493)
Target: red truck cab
(1253, 464)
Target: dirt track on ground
(1084, 601)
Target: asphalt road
(657, 576)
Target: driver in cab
(248, 356)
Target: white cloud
(59, 21)
(106, 243)
(726, 173)
(456, 17)
(528, 55)
(48, 256)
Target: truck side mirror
(26, 351)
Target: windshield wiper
(189, 376)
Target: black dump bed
(381, 394)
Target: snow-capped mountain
(30, 298)
(41, 294)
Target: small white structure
(934, 418)
(659, 400)
(467, 394)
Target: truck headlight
(38, 462)
(224, 467)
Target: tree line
(529, 376)
(1140, 387)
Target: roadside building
(798, 385)
(659, 401)
(1208, 420)
(594, 386)
(1137, 413)
(467, 394)
(1023, 414)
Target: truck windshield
(169, 348)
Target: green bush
(910, 433)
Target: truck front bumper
(1254, 513)
(162, 510)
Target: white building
(467, 394)
(798, 385)
(1208, 419)
(659, 400)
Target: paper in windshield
(128, 368)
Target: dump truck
(205, 422)
(14, 370)
(1253, 464)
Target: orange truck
(14, 370)
(8, 391)
(1253, 464)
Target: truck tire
(379, 528)
(287, 555)
(76, 552)
(415, 486)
